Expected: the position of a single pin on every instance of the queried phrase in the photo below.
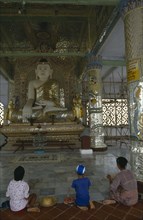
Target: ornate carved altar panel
(68, 131)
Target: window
(115, 112)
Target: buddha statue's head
(43, 70)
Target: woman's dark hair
(122, 162)
(19, 173)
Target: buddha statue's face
(43, 71)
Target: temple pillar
(133, 23)
(94, 88)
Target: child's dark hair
(19, 173)
(122, 162)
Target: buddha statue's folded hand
(27, 110)
(45, 102)
(52, 107)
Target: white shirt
(18, 191)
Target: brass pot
(48, 201)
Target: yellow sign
(133, 73)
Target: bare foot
(33, 209)
(84, 208)
(108, 202)
(92, 205)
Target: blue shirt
(81, 187)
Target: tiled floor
(65, 212)
(54, 177)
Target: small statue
(93, 86)
(77, 107)
(9, 111)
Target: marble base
(100, 147)
(86, 151)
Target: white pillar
(93, 72)
(133, 22)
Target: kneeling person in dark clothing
(81, 186)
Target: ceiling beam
(67, 2)
(40, 18)
(19, 54)
(38, 54)
(113, 63)
(45, 11)
(107, 30)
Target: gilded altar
(42, 104)
(57, 132)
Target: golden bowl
(48, 201)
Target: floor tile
(56, 178)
